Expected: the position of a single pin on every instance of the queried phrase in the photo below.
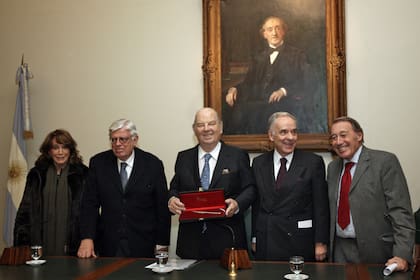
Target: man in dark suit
(291, 215)
(229, 169)
(124, 209)
(278, 79)
(371, 216)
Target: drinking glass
(296, 265)
(162, 259)
(36, 252)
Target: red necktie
(344, 205)
(282, 172)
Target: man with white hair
(124, 209)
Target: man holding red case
(228, 168)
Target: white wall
(383, 71)
(98, 60)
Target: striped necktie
(205, 174)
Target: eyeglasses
(123, 140)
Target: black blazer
(29, 223)
(233, 174)
(281, 218)
(140, 214)
(291, 71)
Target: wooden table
(131, 268)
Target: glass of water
(296, 265)
(36, 252)
(162, 259)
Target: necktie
(282, 172)
(123, 174)
(273, 53)
(271, 50)
(343, 219)
(205, 174)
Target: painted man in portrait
(279, 78)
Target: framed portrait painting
(266, 56)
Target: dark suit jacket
(233, 174)
(291, 71)
(140, 214)
(277, 214)
(380, 207)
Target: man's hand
(232, 207)
(231, 96)
(175, 205)
(86, 249)
(320, 251)
(402, 265)
(277, 95)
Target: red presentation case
(202, 205)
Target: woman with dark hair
(49, 212)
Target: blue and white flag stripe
(18, 166)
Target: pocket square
(225, 171)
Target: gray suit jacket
(380, 206)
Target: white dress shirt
(213, 160)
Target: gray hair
(277, 115)
(123, 124)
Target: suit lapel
(195, 167)
(336, 169)
(296, 168)
(268, 173)
(361, 167)
(137, 172)
(224, 157)
(113, 173)
(293, 175)
(268, 193)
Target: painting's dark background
(240, 40)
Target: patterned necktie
(343, 219)
(123, 175)
(282, 172)
(205, 174)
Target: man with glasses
(290, 216)
(228, 169)
(124, 210)
(370, 208)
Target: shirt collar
(129, 161)
(355, 157)
(214, 153)
(277, 156)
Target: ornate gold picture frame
(333, 75)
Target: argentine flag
(18, 166)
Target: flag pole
(18, 165)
